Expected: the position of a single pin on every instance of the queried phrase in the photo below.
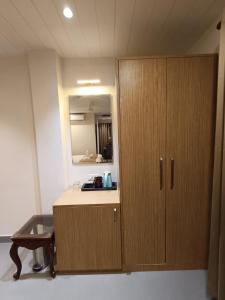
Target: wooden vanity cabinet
(88, 237)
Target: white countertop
(77, 197)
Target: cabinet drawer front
(88, 238)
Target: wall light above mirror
(91, 129)
(89, 81)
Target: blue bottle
(107, 179)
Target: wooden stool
(37, 232)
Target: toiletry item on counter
(76, 185)
(107, 179)
(98, 182)
(99, 158)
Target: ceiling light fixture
(90, 81)
(68, 12)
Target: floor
(177, 285)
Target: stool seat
(37, 232)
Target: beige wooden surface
(88, 238)
(217, 263)
(142, 88)
(190, 138)
(78, 197)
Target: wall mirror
(91, 129)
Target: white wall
(209, 41)
(45, 95)
(18, 176)
(88, 68)
(63, 120)
(72, 70)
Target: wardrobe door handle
(171, 173)
(161, 173)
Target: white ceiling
(104, 28)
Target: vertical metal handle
(161, 173)
(115, 214)
(171, 173)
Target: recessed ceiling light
(68, 12)
(90, 81)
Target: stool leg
(15, 257)
(51, 259)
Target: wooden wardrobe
(167, 112)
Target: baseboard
(163, 267)
(5, 239)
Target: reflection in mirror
(91, 129)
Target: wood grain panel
(216, 274)
(190, 139)
(88, 238)
(142, 143)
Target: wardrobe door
(142, 143)
(190, 143)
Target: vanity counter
(73, 197)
